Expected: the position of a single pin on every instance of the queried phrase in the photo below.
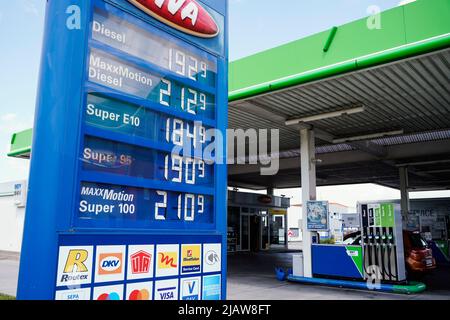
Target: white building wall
(295, 222)
(12, 215)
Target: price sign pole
(127, 190)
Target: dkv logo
(110, 263)
(187, 16)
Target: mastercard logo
(109, 296)
(143, 294)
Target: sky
(255, 25)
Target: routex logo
(140, 262)
(110, 263)
(75, 268)
(187, 16)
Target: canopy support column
(308, 176)
(404, 186)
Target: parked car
(418, 254)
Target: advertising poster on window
(317, 215)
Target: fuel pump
(385, 253)
(382, 241)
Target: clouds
(30, 7)
(17, 169)
(11, 123)
(8, 117)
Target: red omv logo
(185, 15)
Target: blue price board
(127, 197)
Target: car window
(417, 241)
(349, 241)
(357, 241)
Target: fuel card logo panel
(74, 266)
(140, 291)
(74, 295)
(110, 264)
(112, 293)
(166, 290)
(212, 287)
(190, 288)
(140, 262)
(212, 258)
(191, 258)
(167, 260)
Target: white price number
(178, 130)
(185, 169)
(191, 100)
(187, 206)
(187, 65)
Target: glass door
(245, 233)
(265, 230)
(278, 238)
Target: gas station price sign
(127, 214)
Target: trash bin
(297, 265)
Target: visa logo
(167, 293)
(73, 297)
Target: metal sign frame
(57, 172)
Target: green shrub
(327, 241)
